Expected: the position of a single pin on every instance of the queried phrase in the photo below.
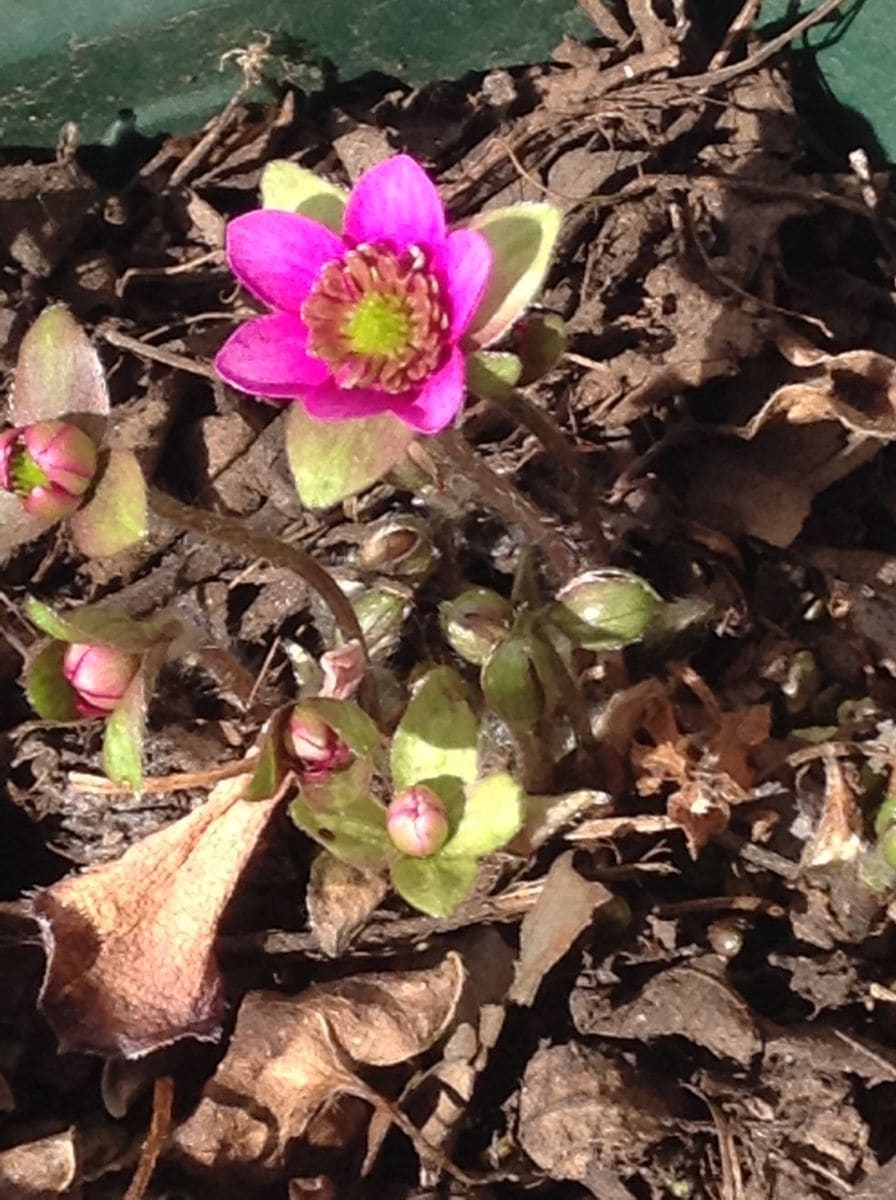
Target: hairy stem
(232, 532)
(505, 498)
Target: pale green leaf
(492, 816)
(332, 460)
(290, 188)
(522, 239)
(435, 886)
(340, 814)
(123, 739)
(49, 692)
(116, 515)
(16, 525)
(59, 373)
(437, 735)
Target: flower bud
(49, 465)
(540, 339)
(400, 546)
(314, 746)
(99, 676)
(512, 686)
(605, 609)
(381, 613)
(475, 623)
(416, 822)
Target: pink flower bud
(99, 675)
(49, 465)
(416, 822)
(314, 746)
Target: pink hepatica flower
(363, 323)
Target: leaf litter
(680, 984)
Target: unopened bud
(99, 676)
(314, 747)
(381, 613)
(475, 623)
(400, 546)
(605, 609)
(540, 339)
(49, 465)
(416, 822)
(511, 684)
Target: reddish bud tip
(314, 746)
(99, 676)
(416, 822)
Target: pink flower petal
(438, 401)
(395, 203)
(266, 357)
(277, 256)
(330, 402)
(464, 265)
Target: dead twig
(159, 1128)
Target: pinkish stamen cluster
(378, 319)
(99, 676)
(49, 465)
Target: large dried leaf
(290, 1055)
(59, 373)
(130, 957)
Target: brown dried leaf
(40, 1170)
(292, 1055)
(340, 899)
(564, 908)
(130, 956)
(837, 838)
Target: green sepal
(438, 734)
(271, 766)
(59, 375)
(99, 626)
(49, 692)
(290, 188)
(340, 813)
(117, 515)
(493, 374)
(332, 460)
(522, 239)
(435, 886)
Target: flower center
(377, 319)
(25, 474)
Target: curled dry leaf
(39, 1170)
(130, 954)
(340, 900)
(290, 1056)
(831, 423)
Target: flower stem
(232, 532)
(501, 495)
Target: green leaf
(522, 239)
(331, 461)
(492, 816)
(270, 767)
(59, 373)
(16, 525)
(49, 692)
(123, 740)
(435, 886)
(291, 188)
(493, 374)
(512, 684)
(116, 515)
(340, 814)
(541, 340)
(96, 625)
(438, 733)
